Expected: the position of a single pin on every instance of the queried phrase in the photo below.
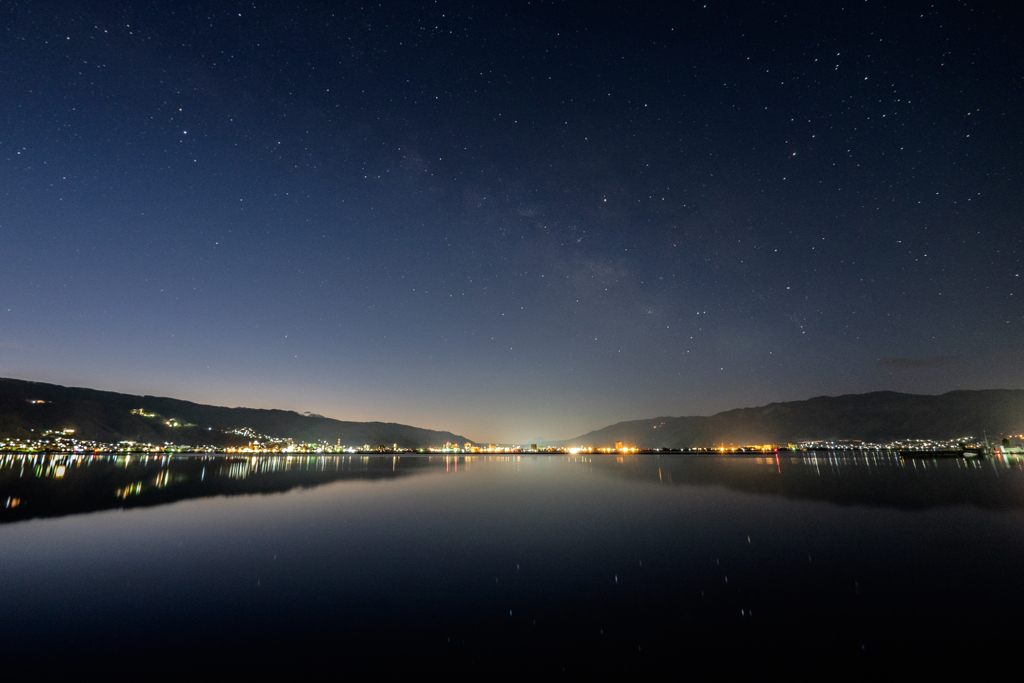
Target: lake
(521, 564)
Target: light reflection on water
(595, 563)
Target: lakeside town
(64, 441)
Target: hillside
(107, 416)
(877, 417)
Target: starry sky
(515, 221)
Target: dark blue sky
(511, 220)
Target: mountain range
(29, 408)
(878, 417)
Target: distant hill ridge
(879, 417)
(107, 416)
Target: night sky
(514, 221)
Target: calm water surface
(535, 563)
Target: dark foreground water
(532, 564)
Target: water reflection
(530, 564)
(885, 479)
(45, 485)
